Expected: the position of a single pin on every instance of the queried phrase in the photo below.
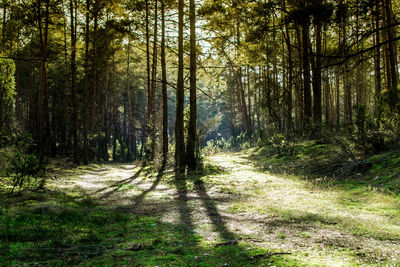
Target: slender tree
(73, 15)
(306, 70)
(180, 91)
(85, 113)
(152, 96)
(192, 133)
(164, 95)
(43, 129)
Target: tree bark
(179, 124)
(115, 113)
(86, 88)
(148, 76)
(164, 89)
(317, 81)
(73, 7)
(289, 102)
(377, 58)
(348, 111)
(152, 101)
(192, 133)
(43, 100)
(392, 73)
(306, 73)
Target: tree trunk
(152, 101)
(348, 112)
(147, 127)
(115, 108)
(306, 73)
(192, 133)
(179, 124)
(106, 125)
(164, 89)
(130, 128)
(73, 6)
(249, 97)
(289, 103)
(317, 81)
(377, 59)
(94, 90)
(392, 72)
(299, 101)
(43, 100)
(86, 88)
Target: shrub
(390, 120)
(281, 145)
(26, 170)
(367, 135)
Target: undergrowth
(329, 163)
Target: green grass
(311, 218)
(56, 229)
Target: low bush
(26, 171)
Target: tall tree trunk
(130, 130)
(289, 103)
(299, 101)
(152, 100)
(148, 75)
(43, 100)
(86, 88)
(392, 72)
(179, 125)
(327, 89)
(115, 108)
(306, 73)
(192, 133)
(94, 105)
(249, 96)
(164, 89)
(317, 81)
(348, 111)
(63, 114)
(377, 58)
(73, 7)
(32, 100)
(106, 125)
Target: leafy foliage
(7, 90)
(26, 170)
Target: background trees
(87, 82)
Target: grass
(361, 212)
(120, 215)
(327, 164)
(57, 229)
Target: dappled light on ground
(233, 200)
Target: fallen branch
(232, 242)
(269, 254)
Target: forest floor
(235, 213)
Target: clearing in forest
(233, 214)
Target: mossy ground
(116, 215)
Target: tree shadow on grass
(63, 229)
(116, 186)
(138, 199)
(213, 214)
(185, 212)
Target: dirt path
(325, 226)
